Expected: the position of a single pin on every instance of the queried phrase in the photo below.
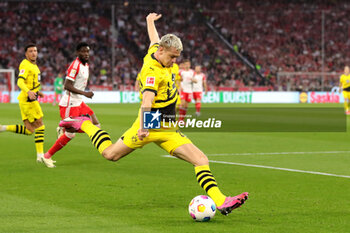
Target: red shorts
(186, 96)
(83, 109)
(197, 95)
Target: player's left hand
(142, 133)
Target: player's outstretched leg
(19, 129)
(99, 138)
(206, 180)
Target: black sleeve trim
(35, 86)
(151, 90)
(21, 77)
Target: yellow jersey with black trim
(345, 81)
(175, 72)
(31, 74)
(159, 79)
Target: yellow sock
(99, 138)
(20, 129)
(39, 140)
(207, 181)
(346, 106)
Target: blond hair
(170, 40)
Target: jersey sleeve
(153, 48)
(150, 82)
(73, 71)
(23, 70)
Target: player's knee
(111, 156)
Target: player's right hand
(89, 94)
(142, 133)
(153, 17)
(32, 95)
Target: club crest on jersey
(150, 81)
(22, 71)
(72, 73)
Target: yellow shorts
(30, 111)
(178, 101)
(168, 140)
(346, 94)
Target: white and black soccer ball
(202, 208)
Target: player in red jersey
(187, 76)
(71, 104)
(200, 81)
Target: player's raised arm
(151, 28)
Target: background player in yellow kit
(344, 84)
(29, 83)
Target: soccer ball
(202, 208)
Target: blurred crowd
(275, 36)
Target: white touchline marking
(279, 168)
(283, 153)
(277, 153)
(276, 168)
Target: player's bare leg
(116, 151)
(192, 154)
(206, 180)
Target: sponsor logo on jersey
(22, 71)
(150, 81)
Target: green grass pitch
(146, 192)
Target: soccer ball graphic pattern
(202, 208)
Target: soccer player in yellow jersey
(176, 73)
(137, 83)
(29, 83)
(344, 84)
(159, 94)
